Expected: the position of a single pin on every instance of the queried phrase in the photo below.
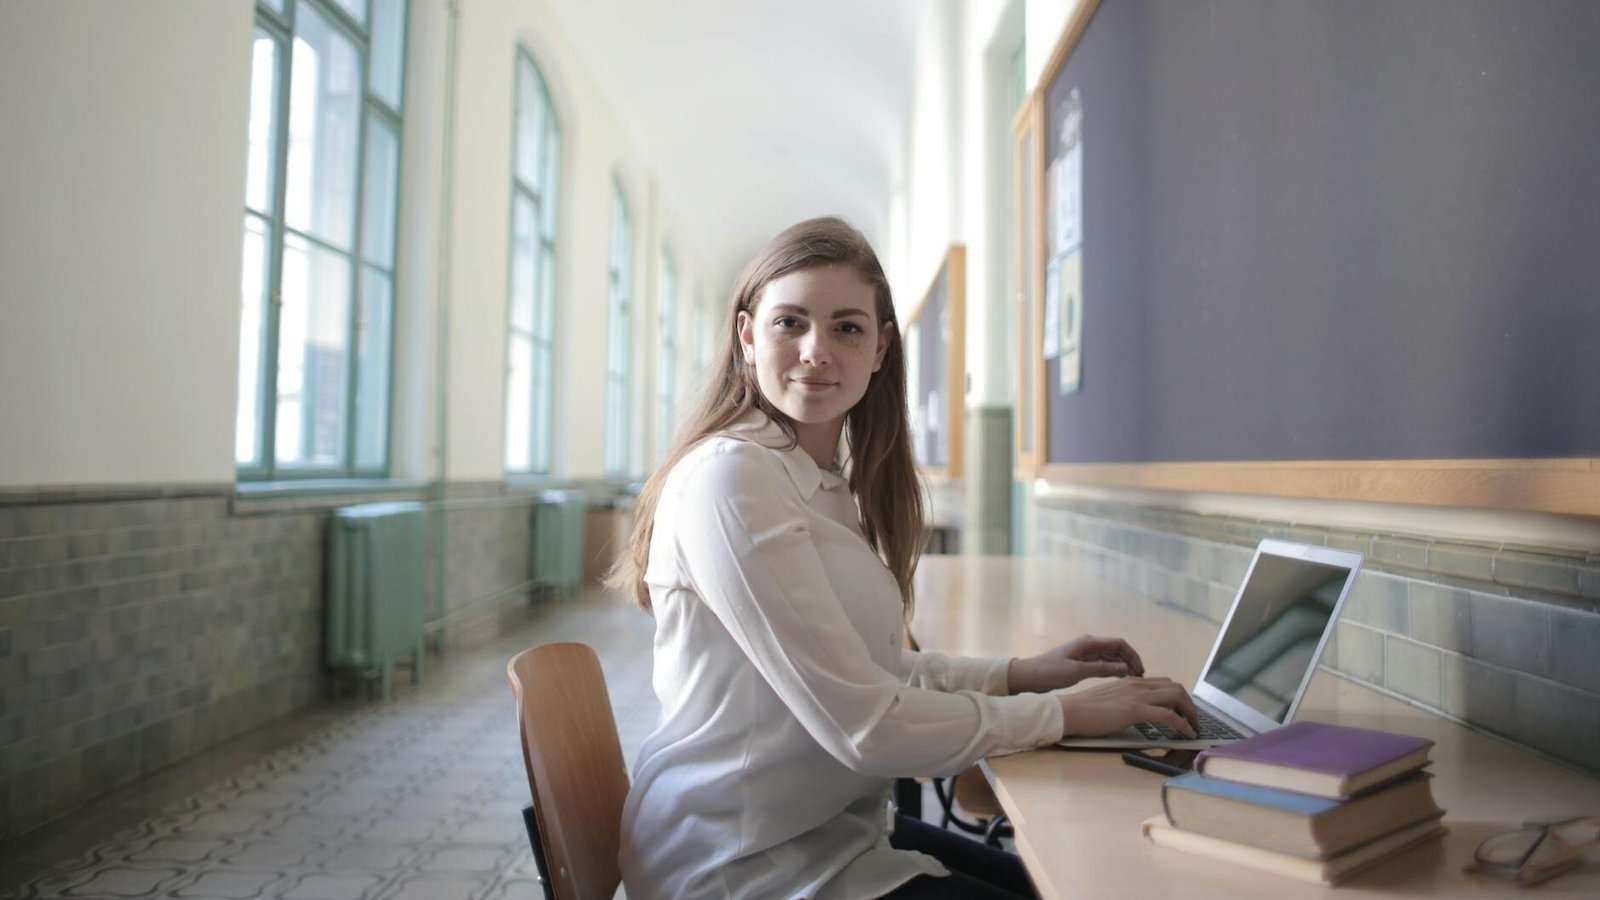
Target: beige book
(1316, 871)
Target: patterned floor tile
(226, 884)
(122, 881)
(276, 855)
(177, 849)
(319, 886)
(437, 888)
(419, 796)
(368, 858)
(516, 889)
(463, 858)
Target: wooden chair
(575, 769)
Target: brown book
(1316, 871)
(1312, 827)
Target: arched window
(321, 198)
(667, 361)
(619, 419)
(530, 349)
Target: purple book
(1313, 758)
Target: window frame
(619, 412)
(278, 20)
(667, 358)
(541, 339)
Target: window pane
(546, 302)
(382, 187)
(324, 115)
(519, 384)
(274, 5)
(356, 8)
(524, 249)
(253, 301)
(542, 402)
(530, 122)
(313, 355)
(261, 167)
(372, 369)
(387, 62)
(549, 187)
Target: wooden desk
(1076, 814)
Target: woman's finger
(1165, 716)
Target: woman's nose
(814, 349)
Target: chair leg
(945, 788)
(999, 827)
(531, 822)
(908, 797)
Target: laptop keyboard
(1211, 728)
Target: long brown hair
(882, 474)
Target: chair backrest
(575, 768)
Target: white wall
(1046, 19)
(595, 150)
(933, 215)
(953, 191)
(121, 214)
(122, 174)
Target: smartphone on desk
(1162, 761)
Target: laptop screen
(1271, 640)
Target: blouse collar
(807, 476)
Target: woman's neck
(820, 442)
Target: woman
(780, 577)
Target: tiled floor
(419, 796)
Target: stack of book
(1309, 801)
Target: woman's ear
(747, 336)
(883, 345)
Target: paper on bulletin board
(1052, 309)
(1063, 335)
(1070, 343)
(1068, 174)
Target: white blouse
(787, 702)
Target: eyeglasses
(1538, 851)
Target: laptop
(1266, 652)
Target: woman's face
(815, 342)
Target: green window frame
(322, 194)
(531, 280)
(667, 360)
(619, 418)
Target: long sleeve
(937, 672)
(746, 546)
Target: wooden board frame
(1563, 486)
(953, 268)
(1028, 148)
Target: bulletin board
(1341, 250)
(936, 363)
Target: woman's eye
(852, 328)
(787, 322)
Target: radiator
(377, 557)
(556, 560)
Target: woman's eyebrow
(837, 314)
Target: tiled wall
(139, 626)
(987, 511)
(134, 632)
(1506, 639)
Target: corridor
(416, 797)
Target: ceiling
(754, 115)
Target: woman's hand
(1109, 708)
(1072, 662)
